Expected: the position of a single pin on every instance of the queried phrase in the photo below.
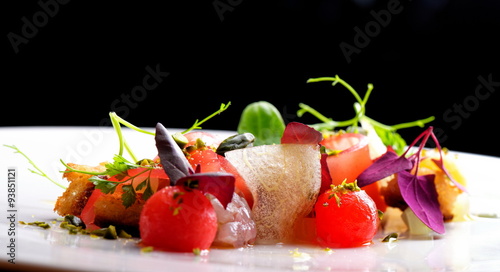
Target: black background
(86, 57)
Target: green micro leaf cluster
(119, 169)
(387, 133)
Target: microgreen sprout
(120, 166)
(387, 133)
(37, 170)
(117, 121)
(197, 123)
(359, 106)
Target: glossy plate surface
(467, 246)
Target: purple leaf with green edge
(298, 133)
(420, 194)
(218, 184)
(172, 158)
(387, 164)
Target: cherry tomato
(206, 159)
(209, 139)
(353, 158)
(177, 219)
(345, 217)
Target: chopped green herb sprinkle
(147, 249)
(36, 223)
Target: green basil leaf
(264, 121)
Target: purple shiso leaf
(298, 133)
(218, 184)
(177, 167)
(174, 162)
(420, 194)
(440, 163)
(386, 165)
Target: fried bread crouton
(79, 190)
(109, 210)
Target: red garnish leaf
(298, 133)
(218, 184)
(387, 164)
(420, 194)
(172, 158)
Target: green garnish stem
(419, 123)
(122, 121)
(197, 123)
(37, 170)
(328, 123)
(117, 121)
(386, 133)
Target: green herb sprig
(388, 134)
(119, 168)
(117, 121)
(36, 169)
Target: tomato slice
(157, 178)
(209, 161)
(88, 213)
(351, 160)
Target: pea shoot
(388, 134)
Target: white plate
(467, 246)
